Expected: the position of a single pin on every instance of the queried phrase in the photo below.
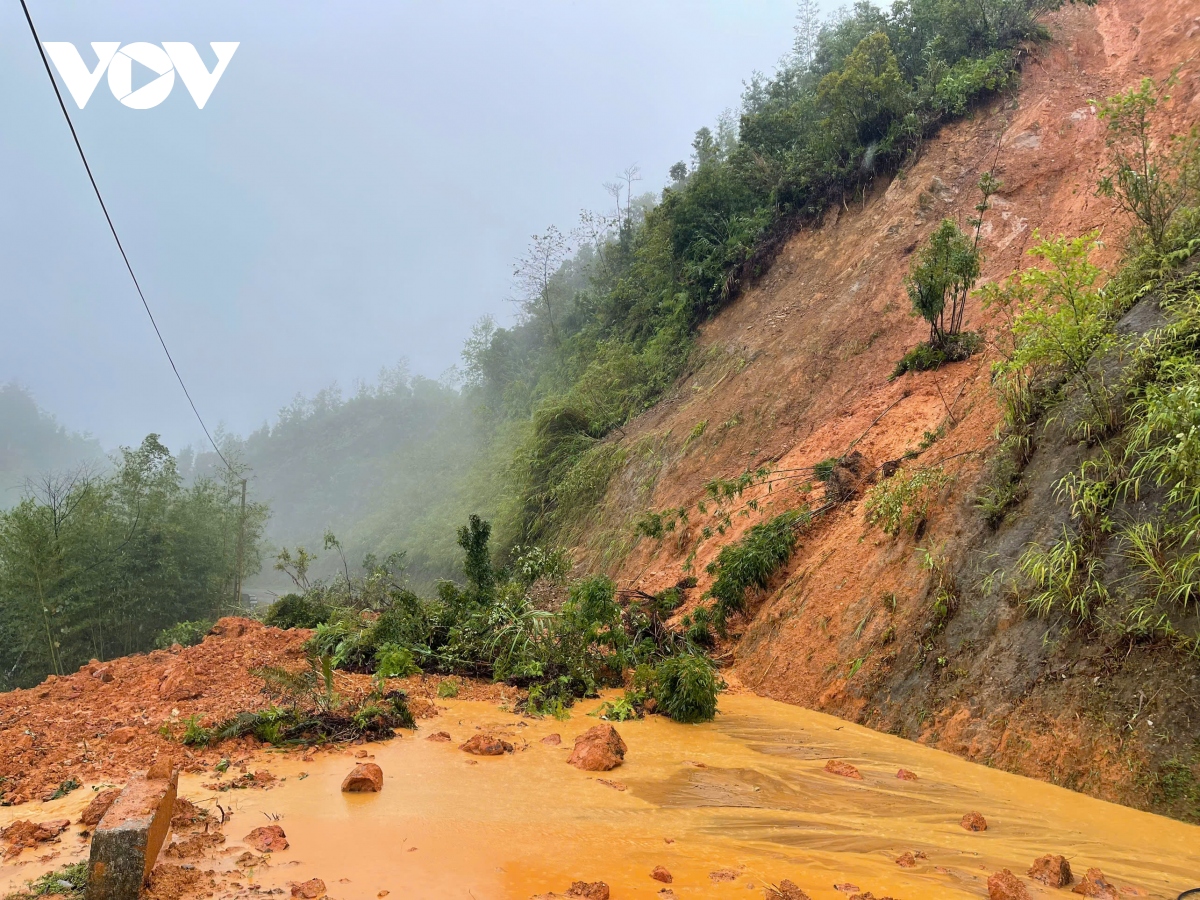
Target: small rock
(589, 890)
(552, 740)
(23, 833)
(439, 737)
(122, 735)
(1052, 871)
(661, 873)
(95, 810)
(846, 888)
(905, 775)
(248, 859)
(973, 821)
(616, 785)
(722, 875)
(104, 675)
(598, 749)
(360, 754)
(1094, 884)
(364, 778)
(786, 891)
(1004, 885)
(267, 839)
(486, 745)
(179, 682)
(908, 859)
(837, 767)
(313, 889)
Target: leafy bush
(297, 611)
(901, 503)
(394, 661)
(686, 688)
(750, 562)
(69, 882)
(447, 690)
(186, 634)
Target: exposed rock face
(663, 874)
(94, 811)
(974, 821)
(1094, 884)
(598, 749)
(267, 839)
(365, 778)
(1052, 871)
(837, 767)
(486, 745)
(1005, 885)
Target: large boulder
(366, 778)
(598, 749)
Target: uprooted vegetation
(528, 625)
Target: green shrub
(751, 561)
(67, 882)
(686, 688)
(901, 503)
(186, 634)
(447, 690)
(296, 611)
(393, 661)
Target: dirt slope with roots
(797, 370)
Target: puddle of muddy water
(747, 793)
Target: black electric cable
(111, 227)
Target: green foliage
(1060, 320)
(686, 688)
(186, 634)
(97, 567)
(65, 788)
(901, 503)
(69, 882)
(35, 442)
(750, 562)
(1150, 179)
(394, 661)
(298, 611)
(447, 690)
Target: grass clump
(901, 503)
(750, 562)
(68, 881)
(685, 688)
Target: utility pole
(237, 575)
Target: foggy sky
(354, 192)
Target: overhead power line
(111, 227)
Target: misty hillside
(34, 443)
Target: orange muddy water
(728, 807)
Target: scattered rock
(23, 833)
(486, 745)
(122, 735)
(905, 775)
(552, 740)
(661, 873)
(589, 890)
(195, 846)
(313, 889)
(1004, 885)
(786, 891)
(723, 875)
(1094, 884)
(94, 811)
(1052, 871)
(267, 839)
(231, 627)
(365, 778)
(908, 859)
(439, 737)
(185, 814)
(607, 782)
(837, 767)
(846, 888)
(104, 675)
(248, 859)
(598, 749)
(973, 821)
(360, 754)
